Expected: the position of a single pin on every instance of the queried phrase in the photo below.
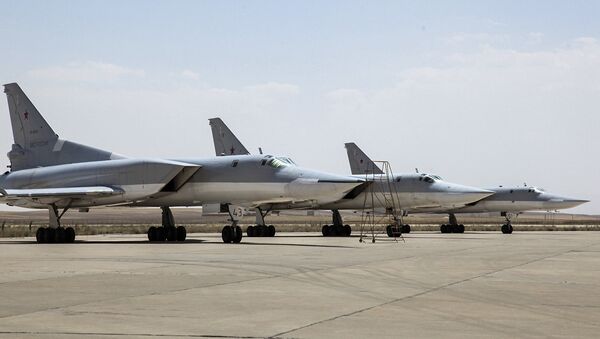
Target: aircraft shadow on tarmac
(187, 241)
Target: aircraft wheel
(161, 234)
(49, 235)
(347, 230)
(272, 231)
(444, 228)
(406, 228)
(171, 233)
(507, 229)
(152, 233)
(460, 228)
(396, 231)
(40, 235)
(325, 230)
(388, 230)
(59, 235)
(250, 231)
(237, 234)
(69, 234)
(181, 233)
(227, 234)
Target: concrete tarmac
(472, 285)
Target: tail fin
(360, 163)
(226, 143)
(35, 142)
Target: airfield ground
(299, 285)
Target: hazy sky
(481, 93)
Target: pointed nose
(558, 203)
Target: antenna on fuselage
(417, 170)
(260, 150)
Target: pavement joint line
(421, 293)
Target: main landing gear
(55, 233)
(261, 229)
(394, 231)
(167, 231)
(507, 228)
(453, 226)
(338, 229)
(231, 234)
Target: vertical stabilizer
(226, 143)
(35, 142)
(30, 129)
(360, 163)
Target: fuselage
(410, 192)
(247, 180)
(520, 199)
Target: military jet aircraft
(508, 201)
(412, 193)
(51, 173)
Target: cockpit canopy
(278, 162)
(428, 178)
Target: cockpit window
(280, 162)
(428, 179)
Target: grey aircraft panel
(360, 163)
(35, 142)
(226, 143)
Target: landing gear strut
(507, 228)
(453, 226)
(261, 229)
(338, 229)
(55, 233)
(167, 231)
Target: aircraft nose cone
(557, 203)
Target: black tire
(250, 231)
(388, 230)
(161, 234)
(507, 229)
(406, 228)
(325, 230)
(171, 233)
(40, 235)
(258, 231)
(181, 233)
(49, 235)
(461, 228)
(272, 230)
(347, 230)
(445, 228)
(237, 234)
(227, 234)
(70, 234)
(152, 233)
(396, 231)
(59, 235)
